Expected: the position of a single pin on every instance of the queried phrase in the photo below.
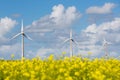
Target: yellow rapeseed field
(73, 68)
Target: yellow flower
(26, 74)
(69, 78)
(61, 70)
(7, 78)
(66, 74)
(50, 57)
(76, 73)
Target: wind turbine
(105, 46)
(71, 43)
(22, 36)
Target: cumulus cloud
(89, 40)
(6, 24)
(60, 17)
(105, 9)
(64, 17)
(94, 35)
(7, 50)
(113, 26)
(44, 52)
(47, 29)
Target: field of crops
(73, 68)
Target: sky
(48, 23)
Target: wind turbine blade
(104, 39)
(66, 40)
(15, 36)
(21, 25)
(76, 43)
(71, 34)
(27, 37)
(105, 42)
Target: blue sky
(48, 23)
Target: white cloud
(94, 34)
(7, 50)
(104, 27)
(114, 54)
(91, 28)
(47, 29)
(45, 52)
(90, 40)
(6, 24)
(60, 17)
(106, 8)
(64, 17)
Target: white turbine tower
(23, 35)
(105, 47)
(71, 43)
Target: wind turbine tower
(22, 38)
(71, 46)
(71, 43)
(105, 46)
